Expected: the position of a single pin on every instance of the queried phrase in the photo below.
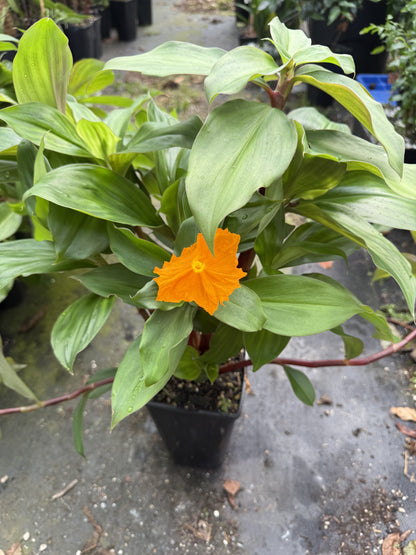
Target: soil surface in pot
(222, 396)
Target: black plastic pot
(106, 23)
(144, 12)
(197, 438)
(410, 155)
(124, 18)
(85, 38)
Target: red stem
(230, 367)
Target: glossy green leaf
(107, 100)
(360, 104)
(264, 346)
(76, 235)
(146, 298)
(253, 146)
(172, 57)
(9, 377)
(138, 255)
(8, 138)
(164, 339)
(77, 424)
(319, 54)
(298, 305)
(157, 136)
(77, 326)
(113, 279)
(287, 41)
(243, 310)
(353, 345)
(129, 391)
(189, 367)
(315, 176)
(301, 385)
(25, 257)
(99, 192)
(37, 122)
(370, 198)
(9, 221)
(311, 119)
(41, 66)
(384, 254)
(236, 68)
(99, 138)
(406, 186)
(225, 343)
(87, 78)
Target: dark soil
(223, 395)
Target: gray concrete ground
(325, 480)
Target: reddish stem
(231, 367)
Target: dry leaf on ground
(391, 545)
(232, 487)
(15, 549)
(326, 265)
(405, 430)
(405, 413)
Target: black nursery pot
(124, 18)
(85, 39)
(197, 438)
(144, 12)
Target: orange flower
(197, 275)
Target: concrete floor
(325, 480)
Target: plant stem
(231, 367)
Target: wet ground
(327, 480)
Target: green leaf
(99, 192)
(157, 136)
(236, 68)
(129, 391)
(76, 235)
(146, 298)
(360, 104)
(77, 326)
(172, 57)
(264, 346)
(301, 385)
(113, 279)
(42, 64)
(311, 119)
(77, 421)
(287, 41)
(10, 378)
(318, 54)
(9, 221)
(188, 367)
(371, 199)
(254, 144)
(225, 343)
(314, 177)
(242, 311)
(138, 255)
(384, 254)
(99, 138)
(164, 339)
(8, 139)
(37, 122)
(353, 345)
(26, 257)
(87, 78)
(298, 305)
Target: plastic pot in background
(85, 38)
(144, 12)
(124, 18)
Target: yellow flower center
(197, 265)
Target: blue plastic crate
(377, 86)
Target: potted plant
(338, 25)
(258, 15)
(398, 35)
(189, 221)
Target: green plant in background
(399, 37)
(190, 221)
(260, 13)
